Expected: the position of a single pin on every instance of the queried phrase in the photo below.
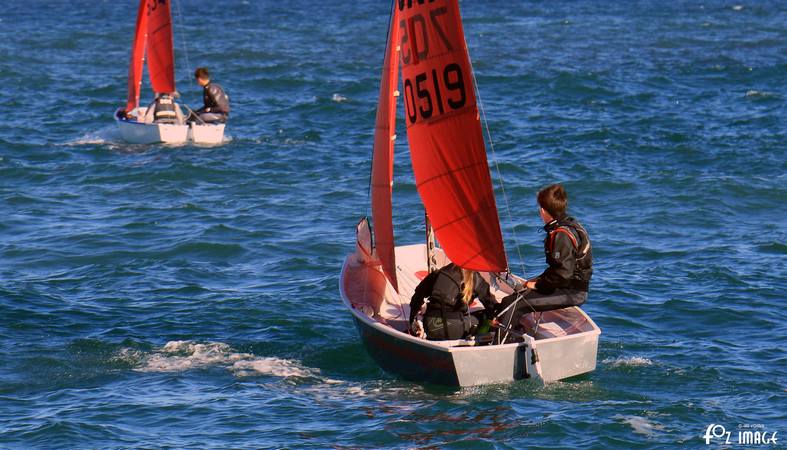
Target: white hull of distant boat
(153, 36)
(563, 345)
(206, 134)
(140, 132)
(136, 132)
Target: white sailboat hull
(460, 362)
(140, 132)
(135, 132)
(207, 134)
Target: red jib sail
(382, 161)
(161, 65)
(444, 132)
(137, 57)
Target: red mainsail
(161, 65)
(444, 132)
(137, 57)
(382, 161)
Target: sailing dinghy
(452, 177)
(153, 35)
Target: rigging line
(499, 177)
(497, 165)
(183, 39)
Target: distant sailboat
(153, 35)
(452, 176)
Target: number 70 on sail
(434, 60)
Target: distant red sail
(137, 57)
(161, 65)
(382, 161)
(444, 132)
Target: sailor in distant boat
(450, 291)
(164, 110)
(216, 107)
(569, 256)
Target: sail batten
(444, 132)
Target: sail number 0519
(425, 93)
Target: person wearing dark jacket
(450, 290)
(569, 257)
(216, 107)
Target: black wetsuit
(567, 279)
(217, 104)
(446, 314)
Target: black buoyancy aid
(165, 110)
(446, 298)
(583, 250)
(447, 290)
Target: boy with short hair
(569, 256)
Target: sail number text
(437, 90)
(426, 87)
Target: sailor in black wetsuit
(450, 290)
(569, 256)
(217, 102)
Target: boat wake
(181, 356)
(631, 361)
(106, 135)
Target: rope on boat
(499, 178)
(494, 158)
(183, 39)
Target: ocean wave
(339, 98)
(755, 94)
(640, 425)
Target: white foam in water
(108, 134)
(630, 361)
(752, 93)
(179, 356)
(127, 356)
(640, 425)
(271, 366)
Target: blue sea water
(164, 297)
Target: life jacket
(165, 110)
(447, 289)
(583, 250)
